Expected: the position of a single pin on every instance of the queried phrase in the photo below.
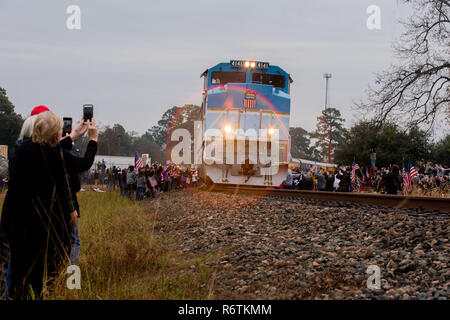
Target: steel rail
(397, 201)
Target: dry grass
(122, 258)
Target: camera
(67, 126)
(88, 112)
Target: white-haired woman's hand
(79, 130)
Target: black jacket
(36, 215)
(75, 165)
(329, 183)
(344, 185)
(392, 183)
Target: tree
(144, 144)
(440, 152)
(329, 128)
(160, 131)
(300, 144)
(174, 118)
(109, 142)
(416, 90)
(10, 122)
(116, 141)
(186, 116)
(390, 143)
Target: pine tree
(329, 127)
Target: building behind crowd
(110, 161)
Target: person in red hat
(38, 210)
(73, 164)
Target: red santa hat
(39, 109)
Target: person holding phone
(76, 164)
(38, 209)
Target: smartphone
(67, 127)
(88, 112)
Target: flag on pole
(137, 162)
(407, 183)
(412, 170)
(354, 168)
(404, 178)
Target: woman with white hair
(27, 128)
(38, 210)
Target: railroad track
(396, 201)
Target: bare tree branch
(416, 90)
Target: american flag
(354, 168)
(250, 100)
(412, 170)
(406, 180)
(137, 162)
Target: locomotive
(245, 104)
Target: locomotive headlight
(227, 129)
(247, 64)
(252, 64)
(271, 131)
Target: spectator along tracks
(423, 205)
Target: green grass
(121, 257)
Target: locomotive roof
(229, 67)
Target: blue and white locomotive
(246, 100)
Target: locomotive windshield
(275, 80)
(219, 77)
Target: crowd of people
(151, 180)
(428, 179)
(39, 223)
(143, 182)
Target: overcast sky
(134, 59)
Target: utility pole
(327, 77)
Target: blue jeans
(140, 193)
(74, 243)
(173, 184)
(8, 277)
(372, 162)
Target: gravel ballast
(292, 248)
